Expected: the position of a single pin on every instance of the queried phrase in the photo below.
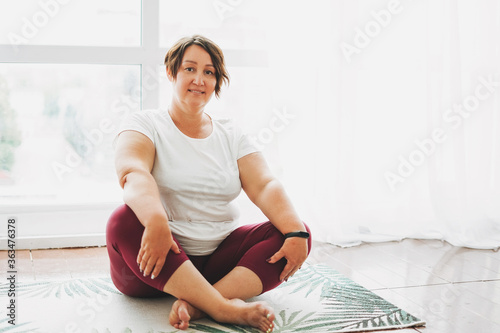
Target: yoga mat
(316, 299)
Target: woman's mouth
(196, 91)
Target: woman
(178, 232)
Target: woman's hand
(156, 242)
(295, 251)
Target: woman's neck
(192, 122)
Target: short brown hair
(173, 58)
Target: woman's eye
(209, 72)
(190, 69)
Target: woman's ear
(169, 75)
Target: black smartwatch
(301, 234)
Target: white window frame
(79, 225)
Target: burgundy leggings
(248, 246)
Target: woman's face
(195, 81)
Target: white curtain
(388, 114)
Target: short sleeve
(246, 145)
(141, 122)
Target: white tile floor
(454, 289)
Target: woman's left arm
(267, 193)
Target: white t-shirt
(198, 179)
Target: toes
(268, 325)
(179, 315)
(268, 328)
(184, 316)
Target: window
(71, 70)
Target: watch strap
(301, 234)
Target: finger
(175, 248)
(286, 272)
(292, 273)
(143, 263)
(276, 257)
(289, 275)
(157, 269)
(150, 265)
(139, 255)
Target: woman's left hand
(294, 250)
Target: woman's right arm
(134, 159)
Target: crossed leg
(179, 277)
(223, 302)
(237, 270)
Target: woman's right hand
(156, 241)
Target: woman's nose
(198, 79)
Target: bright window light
(231, 24)
(58, 123)
(64, 22)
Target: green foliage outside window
(10, 136)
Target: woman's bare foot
(182, 312)
(256, 314)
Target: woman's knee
(122, 212)
(122, 223)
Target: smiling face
(195, 82)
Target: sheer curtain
(389, 117)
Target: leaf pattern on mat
(69, 288)
(239, 328)
(396, 319)
(291, 324)
(206, 328)
(347, 306)
(312, 278)
(198, 327)
(6, 327)
(128, 330)
(353, 306)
